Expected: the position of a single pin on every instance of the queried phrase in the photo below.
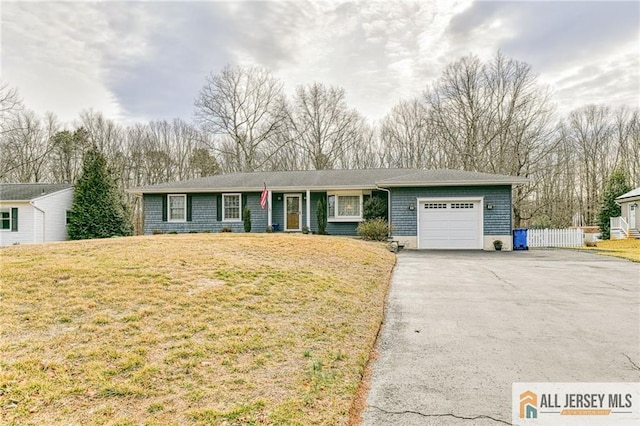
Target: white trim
(299, 197)
(282, 189)
(10, 218)
(239, 195)
(449, 200)
(269, 211)
(327, 188)
(308, 209)
(41, 197)
(514, 181)
(337, 217)
(169, 208)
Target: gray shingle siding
(204, 215)
(333, 228)
(497, 221)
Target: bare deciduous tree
(407, 137)
(492, 117)
(25, 147)
(245, 108)
(324, 127)
(10, 103)
(590, 131)
(65, 158)
(488, 116)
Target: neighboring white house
(628, 224)
(34, 212)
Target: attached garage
(450, 223)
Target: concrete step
(634, 233)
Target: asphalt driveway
(462, 326)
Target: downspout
(43, 222)
(388, 207)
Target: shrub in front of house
(322, 216)
(374, 229)
(226, 229)
(246, 219)
(375, 207)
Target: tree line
(486, 116)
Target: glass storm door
(293, 213)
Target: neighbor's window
(344, 206)
(5, 218)
(231, 207)
(177, 208)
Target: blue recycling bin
(520, 239)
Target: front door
(292, 212)
(632, 216)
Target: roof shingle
(330, 179)
(631, 194)
(29, 191)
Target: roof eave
(451, 183)
(625, 199)
(51, 193)
(141, 191)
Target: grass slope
(626, 249)
(188, 329)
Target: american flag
(263, 197)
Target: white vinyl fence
(572, 237)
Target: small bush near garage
(374, 229)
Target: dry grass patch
(627, 249)
(188, 329)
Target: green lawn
(188, 329)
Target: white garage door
(452, 224)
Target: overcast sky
(138, 61)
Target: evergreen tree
(322, 216)
(246, 219)
(374, 208)
(98, 209)
(616, 185)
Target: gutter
(451, 183)
(388, 206)
(140, 191)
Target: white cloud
(52, 54)
(146, 60)
(612, 79)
